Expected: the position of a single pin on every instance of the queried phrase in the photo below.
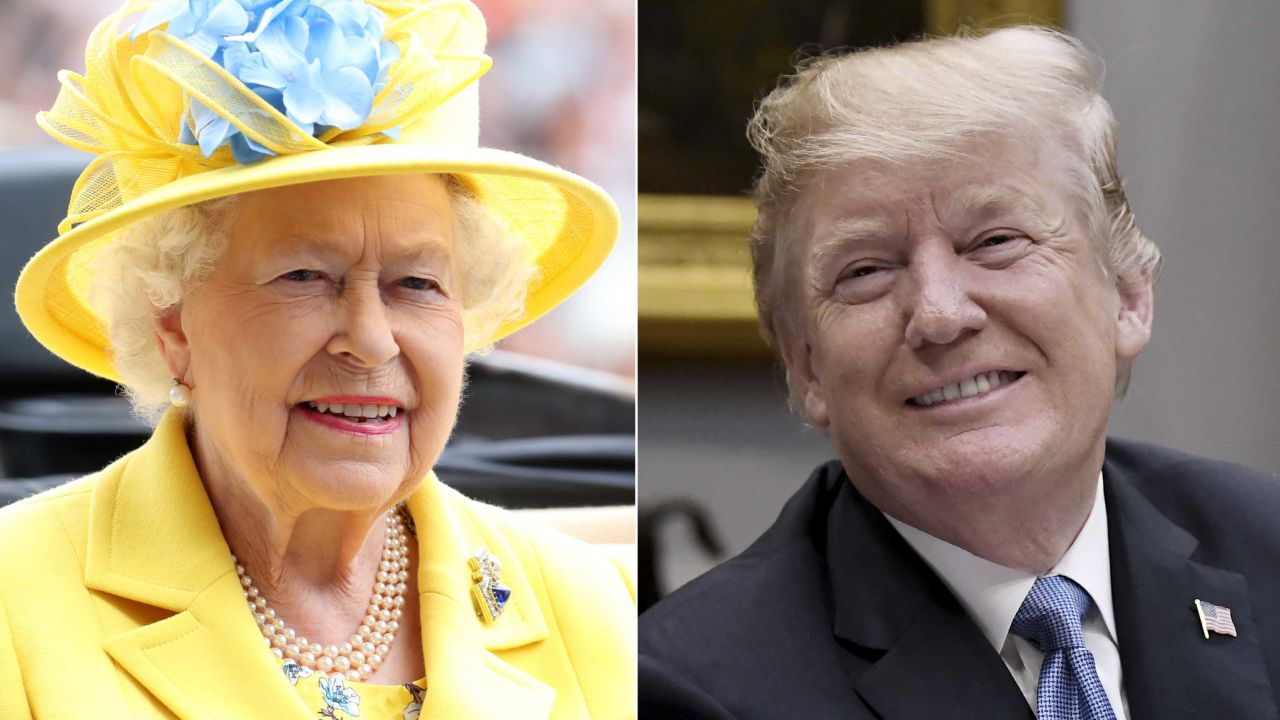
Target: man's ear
(806, 389)
(1135, 315)
(172, 341)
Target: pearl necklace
(368, 646)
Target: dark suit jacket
(830, 614)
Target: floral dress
(333, 696)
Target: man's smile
(975, 385)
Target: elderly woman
(285, 250)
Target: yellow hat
(133, 108)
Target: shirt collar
(992, 593)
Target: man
(948, 266)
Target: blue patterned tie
(1050, 619)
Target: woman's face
(336, 292)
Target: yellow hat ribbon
(128, 106)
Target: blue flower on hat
(319, 62)
(200, 23)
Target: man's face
(955, 329)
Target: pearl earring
(179, 394)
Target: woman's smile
(354, 418)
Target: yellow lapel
(465, 678)
(154, 538)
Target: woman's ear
(172, 341)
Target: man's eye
(861, 272)
(300, 275)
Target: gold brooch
(489, 594)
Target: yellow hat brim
(569, 223)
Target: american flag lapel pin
(1216, 618)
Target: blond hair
(931, 100)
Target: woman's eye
(1000, 239)
(418, 283)
(300, 275)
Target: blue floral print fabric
(334, 697)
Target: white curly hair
(161, 259)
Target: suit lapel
(1170, 670)
(942, 666)
(889, 606)
(933, 661)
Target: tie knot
(1051, 616)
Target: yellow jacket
(118, 599)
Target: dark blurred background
(705, 62)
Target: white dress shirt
(992, 594)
